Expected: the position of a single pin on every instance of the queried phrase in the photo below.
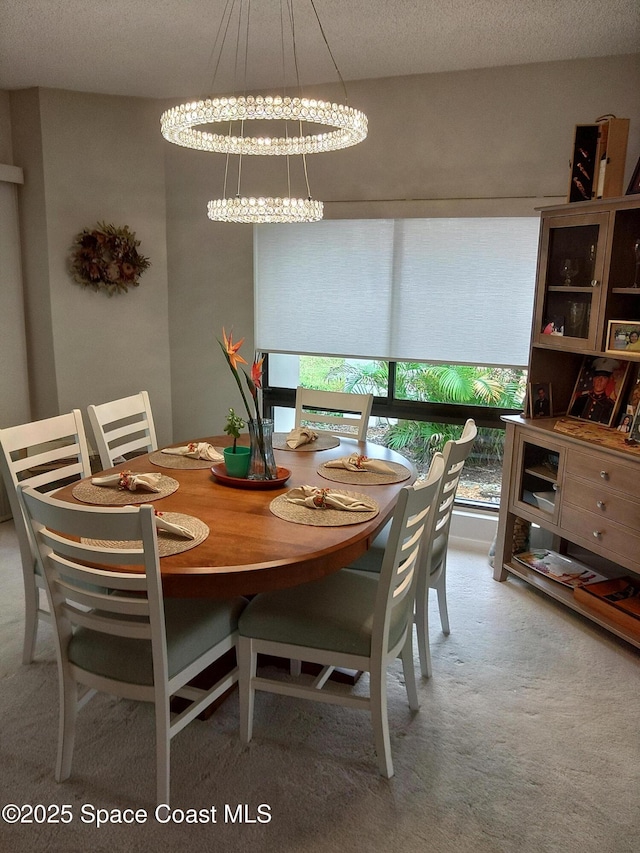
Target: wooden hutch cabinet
(579, 481)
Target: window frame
(391, 407)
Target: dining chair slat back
(114, 633)
(46, 455)
(433, 571)
(123, 428)
(432, 574)
(343, 413)
(347, 619)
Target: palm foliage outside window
(417, 389)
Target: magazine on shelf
(622, 594)
(557, 567)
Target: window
(431, 316)
(433, 290)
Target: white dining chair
(433, 567)
(346, 619)
(114, 633)
(45, 454)
(123, 428)
(345, 414)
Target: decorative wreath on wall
(107, 258)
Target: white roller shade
(434, 290)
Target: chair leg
(422, 625)
(247, 661)
(379, 719)
(32, 603)
(441, 587)
(163, 751)
(66, 725)
(406, 656)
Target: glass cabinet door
(537, 475)
(571, 287)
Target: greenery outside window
(417, 407)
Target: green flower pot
(237, 463)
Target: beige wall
(14, 377)
(494, 141)
(489, 142)
(90, 159)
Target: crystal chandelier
(350, 125)
(263, 210)
(321, 126)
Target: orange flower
(232, 350)
(256, 373)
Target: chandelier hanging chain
(227, 9)
(343, 125)
(326, 41)
(348, 126)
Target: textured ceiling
(164, 48)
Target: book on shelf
(557, 567)
(618, 599)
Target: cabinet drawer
(602, 469)
(603, 502)
(604, 535)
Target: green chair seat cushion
(334, 613)
(371, 560)
(193, 625)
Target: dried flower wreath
(107, 258)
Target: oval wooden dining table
(249, 549)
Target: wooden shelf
(565, 596)
(541, 472)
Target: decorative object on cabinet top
(106, 258)
(634, 183)
(598, 160)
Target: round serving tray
(220, 473)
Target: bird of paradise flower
(253, 382)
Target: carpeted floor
(526, 742)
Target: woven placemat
(288, 511)
(366, 478)
(86, 492)
(168, 543)
(322, 442)
(174, 460)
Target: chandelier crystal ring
(350, 125)
(267, 210)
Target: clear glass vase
(263, 464)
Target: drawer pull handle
(597, 534)
(595, 282)
(604, 475)
(601, 505)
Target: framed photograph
(634, 434)
(540, 402)
(634, 183)
(623, 336)
(634, 394)
(597, 395)
(625, 422)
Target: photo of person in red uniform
(596, 396)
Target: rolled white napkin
(170, 527)
(299, 436)
(355, 462)
(196, 450)
(316, 498)
(131, 481)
